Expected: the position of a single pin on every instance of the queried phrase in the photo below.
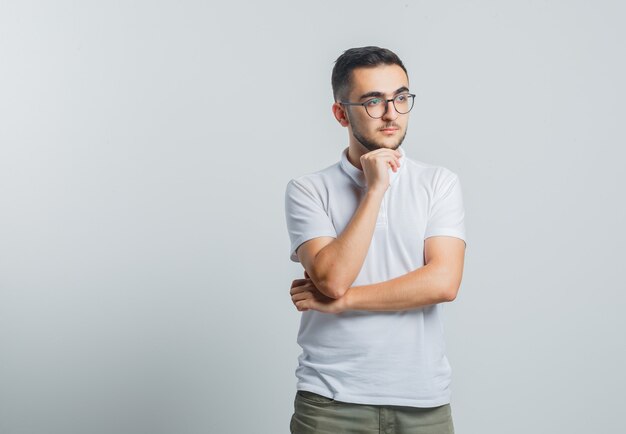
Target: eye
(401, 98)
(373, 102)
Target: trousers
(316, 414)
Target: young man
(382, 241)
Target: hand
(305, 296)
(376, 166)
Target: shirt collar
(358, 176)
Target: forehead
(382, 78)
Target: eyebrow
(380, 94)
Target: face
(384, 81)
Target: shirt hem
(369, 400)
(446, 233)
(303, 239)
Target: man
(382, 241)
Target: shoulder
(431, 175)
(315, 182)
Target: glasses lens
(375, 107)
(403, 103)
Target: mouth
(389, 131)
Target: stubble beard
(371, 145)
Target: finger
(303, 305)
(301, 296)
(389, 157)
(298, 282)
(302, 288)
(383, 161)
(383, 151)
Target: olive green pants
(316, 414)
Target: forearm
(337, 265)
(424, 286)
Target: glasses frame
(387, 101)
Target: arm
(437, 281)
(334, 263)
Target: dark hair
(358, 58)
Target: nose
(390, 111)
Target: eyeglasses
(377, 107)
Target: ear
(340, 114)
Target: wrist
(376, 192)
(346, 301)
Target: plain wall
(144, 152)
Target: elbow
(449, 292)
(449, 284)
(328, 281)
(449, 295)
(328, 287)
(333, 290)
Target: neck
(354, 156)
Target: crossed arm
(332, 264)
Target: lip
(389, 130)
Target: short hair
(358, 58)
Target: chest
(401, 219)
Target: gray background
(145, 149)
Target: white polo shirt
(365, 357)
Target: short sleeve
(306, 217)
(447, 213)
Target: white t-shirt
(365, 357)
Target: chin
(384, 143)
(393, 146)
(392, 142)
